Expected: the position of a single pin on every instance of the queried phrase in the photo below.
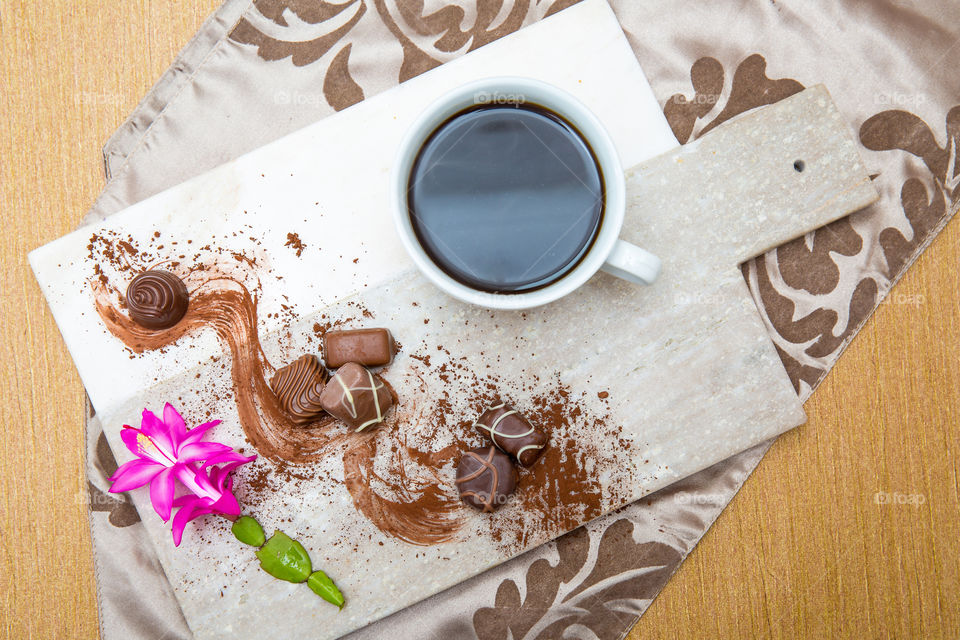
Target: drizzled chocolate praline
(356, 396)
(486, 477)
(157, 299)
(511, 432)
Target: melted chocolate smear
(415, 508)
(416, 499)
(227, 307)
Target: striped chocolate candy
(485, 478)
(357, 396)
(512, 433)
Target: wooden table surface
(804, 550)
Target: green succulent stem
(323, 586)
(248, 531)
(285, 559)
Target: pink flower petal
(189, 498)
(147, 448)
(180, 521)
(175, 424)
(227, 468)
(201, 451)
(227, 505)
(188, 512)
(159, 435)
(197, 432)
(134, 474)
(162, 488)
(222, 480)
(235, 459)
(152, 426)
(129, 436)
(197, 482)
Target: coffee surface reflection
(506, 198)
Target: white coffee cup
(608, 251)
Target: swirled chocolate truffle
(357, 396)
(486, 477)
(512, 433)
(298, 387)
(157, 299)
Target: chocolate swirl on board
(416, 506)
(228, 308)
(298, 387)
(157, 299)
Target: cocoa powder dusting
(418, 510)
(555, 495)
(401, 475)
(294, 242)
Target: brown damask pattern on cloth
(300, 52)
(427, 38)
(120, 508)
(807, 267)
(455, 28)
(896, 129)
(751, 89)
(579, 588)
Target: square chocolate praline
(367, 347)
(357, 396)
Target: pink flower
(213, 494)
(166, 452)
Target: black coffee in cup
(506, 198)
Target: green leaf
(248, 531)
(323, 586)
(285, 558)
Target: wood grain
(804, 550)
(71, 72)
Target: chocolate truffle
(157, 299)
(369, 347)
(356, 396)
(298, 387)
(512, 433)
(486, 478)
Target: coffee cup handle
(633, 264)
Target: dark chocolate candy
(298, 387)
(486, 478)
(157, 299)
(369, 347)
(357, 396)
(512, 433)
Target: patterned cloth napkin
(258, 70)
